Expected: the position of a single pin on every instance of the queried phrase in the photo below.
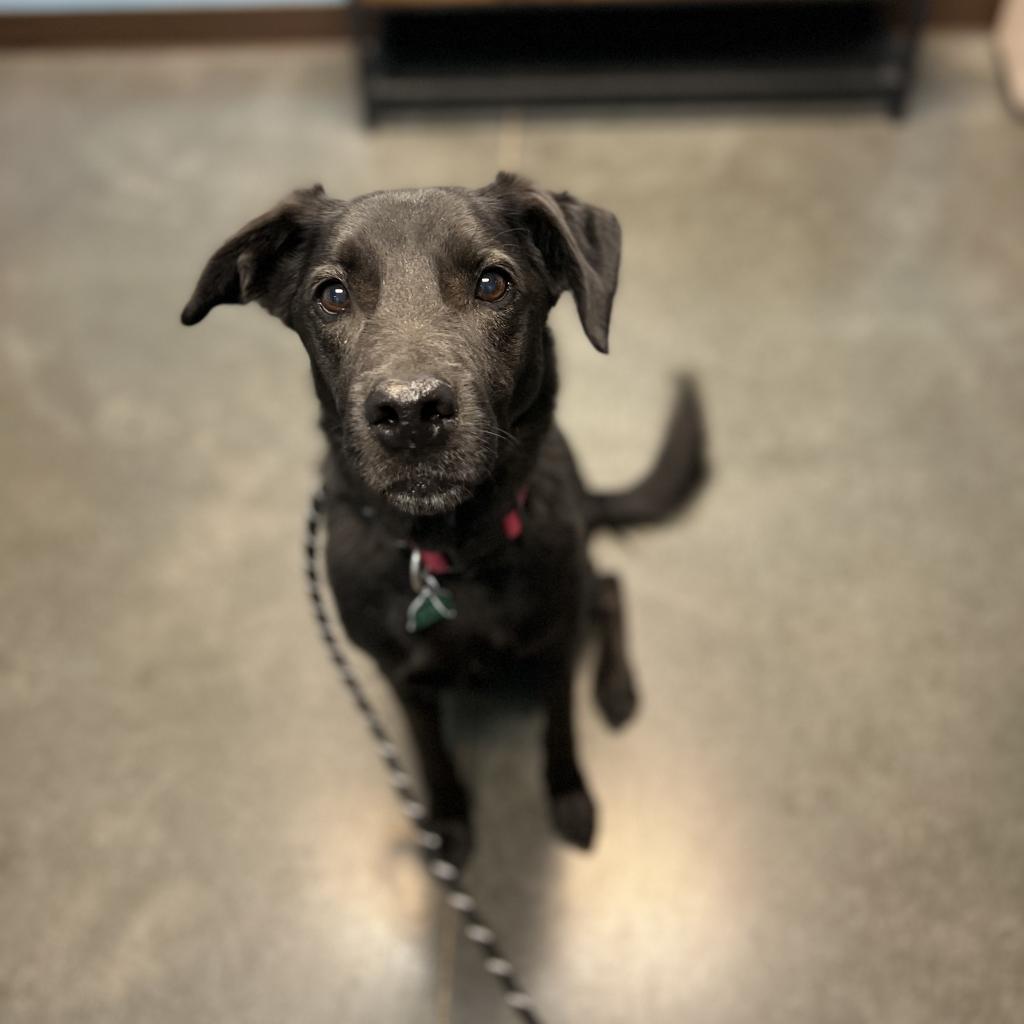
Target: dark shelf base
(829, 50)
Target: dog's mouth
(427, 496)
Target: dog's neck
(476, 523)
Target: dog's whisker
(501, 435)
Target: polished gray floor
(818, 817)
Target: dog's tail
(674, 481)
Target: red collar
(437, 562)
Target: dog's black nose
(417, 413)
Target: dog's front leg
(571, 806)
(446, 797)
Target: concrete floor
(818, 817)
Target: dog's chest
(520, 599)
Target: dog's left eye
(492, 285)
(333, 297)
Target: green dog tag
(433, 604)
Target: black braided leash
(444, 873)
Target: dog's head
(423, 315)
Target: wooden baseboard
(271, 24)
(962, 13)
(162, 27)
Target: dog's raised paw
(616, 698)
(574, 814)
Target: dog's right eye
(492, 285)
(333, 297)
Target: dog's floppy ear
(580, 245)
(254, 263)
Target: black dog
(457, 523)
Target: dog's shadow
(497, 736)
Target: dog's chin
(427, 497)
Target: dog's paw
(574, 814)
(456, 840)
(615, 694)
